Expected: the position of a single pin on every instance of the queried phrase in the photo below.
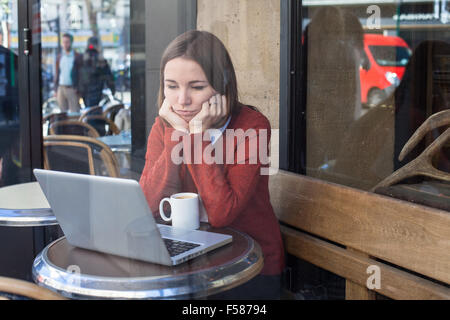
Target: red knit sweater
(234, 194)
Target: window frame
(292, 95)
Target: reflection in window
(87, 81)
(390, 56)
(10, 140)
(368, 90)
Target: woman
(198, 92)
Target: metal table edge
(43, 268)
(27, 217)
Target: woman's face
(186, 87)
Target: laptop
(111, 215)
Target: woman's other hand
(166, 112)
(213, 114)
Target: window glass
(86, 91)
(10, 138)
(375, 72)
(390, 56)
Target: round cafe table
(27, 225)
(25, 205)
(84, 274)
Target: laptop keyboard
(177, 247)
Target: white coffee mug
(185, 210)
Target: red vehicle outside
(387, 57)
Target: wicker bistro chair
(79, 154)
(73, 127)
(53, 117)
(103, 125)
(111, 111)
(14, 289)
(92, 111)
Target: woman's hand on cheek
(213, 112)
(166, 112)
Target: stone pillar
(250, 31)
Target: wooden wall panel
(353, 266)
(412, 236)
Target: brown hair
(210, 53)
(68, 35)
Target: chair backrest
(79, 154)
(123, 119)
(13, 288)
(104, 126)
(91, 112)
(53, 117)
(73, 127)
(111, 111)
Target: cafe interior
(357, 96)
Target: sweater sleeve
(160, 177)
(226, 194)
